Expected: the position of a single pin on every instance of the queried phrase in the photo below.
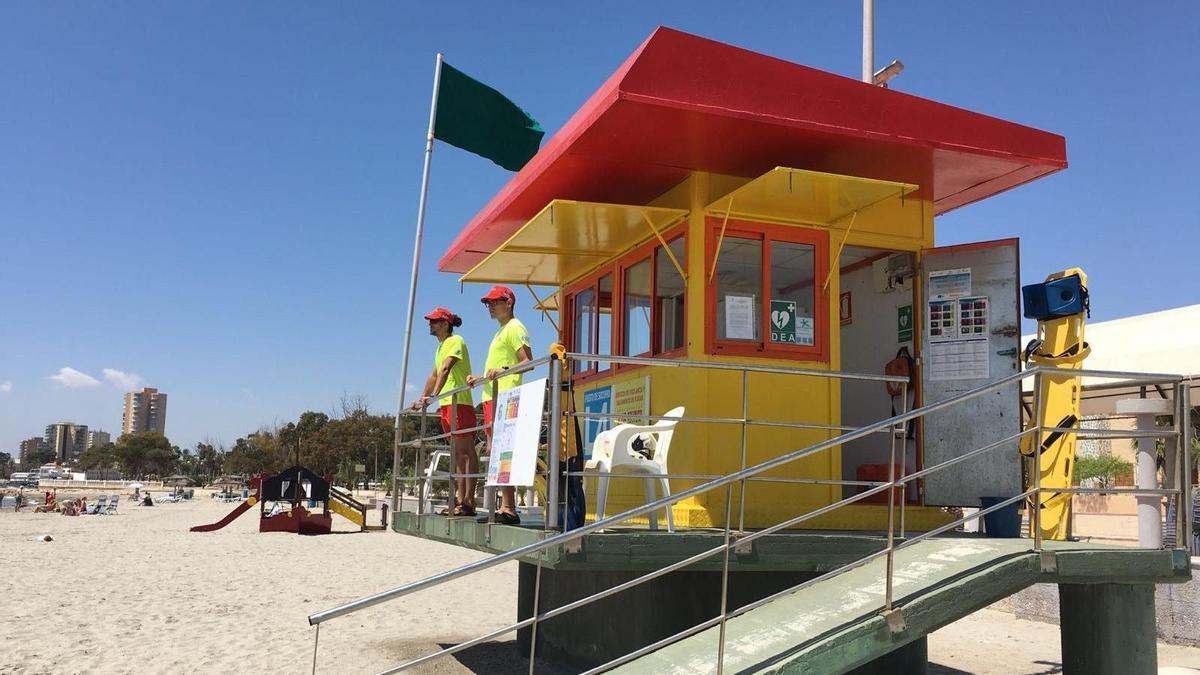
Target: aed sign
(904, 324)
(783, 321)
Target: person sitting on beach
(147, 501)
(71, 508)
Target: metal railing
(895, 425)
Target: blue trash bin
(1004, 523)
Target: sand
(138, 593)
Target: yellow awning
(568, 239)
(812, 197)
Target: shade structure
(683, 103)
(813, 197)
(567, 239)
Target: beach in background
(138, 593)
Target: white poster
(515, 434)
(739, 317)
(949, 284)
(804, 330)
(959, 360)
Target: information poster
(739, 317)
(596, 401)
(959, 360)
(950, 284)
(629, 399)
(515, 434)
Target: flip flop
(506, 518)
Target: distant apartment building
(67, 439)
(145, 410)
(98, 438)
(30, 447)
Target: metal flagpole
(412, 284)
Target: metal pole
(725, 580)
(555, 442)
(745, 416)
(316, 638)
(416, 266)
(1186, 513)
(868, 41)
(904, 453)
(891, 532)
(537, 609)
(421, 496)
(1035, 518)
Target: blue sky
(217, 198)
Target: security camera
(886, 73)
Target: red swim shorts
(464, 419)
(489, 416)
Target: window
(765, 297)
(647, 304)
(637, 309)
(669, 287)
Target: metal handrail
(749, 473)
(736, 367)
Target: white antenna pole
(868, 42)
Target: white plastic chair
(613, 449)
(432, 473)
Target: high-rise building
(145, 410)
(30, 447)
(67, 439)
(98, 438)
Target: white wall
(868, 343)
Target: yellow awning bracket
(833, 262)
(720, 239)
(567, 239)
(542, 306)
(666, 248)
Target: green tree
(146, 452)
(99, 457)
(43, 455)
(7, 465)
(1105, 468)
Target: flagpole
(412, 284)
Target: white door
(970, 336)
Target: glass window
(669, 288)
(739, 289)
(585, 322)
(792, 293)
(637, 309)
(605, 323)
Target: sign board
(630, 399)
(360, 468)
(515, 434)
(845, 308)
(904, 323)
(783, 321)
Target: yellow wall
(699, 448)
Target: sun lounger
(112, 505)
(100, 505)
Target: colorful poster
(515, 434)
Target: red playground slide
(239, 510)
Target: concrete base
(1108, 629)
(614, 626)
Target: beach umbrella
(136, 486)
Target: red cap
(500, 293)
(440, 314)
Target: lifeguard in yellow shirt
(509, 347)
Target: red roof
(683, 103)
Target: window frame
(768, 233)
(647, 251)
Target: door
(970, 336)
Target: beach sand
(138, 593)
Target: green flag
(479, 119)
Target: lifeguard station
(753, 240)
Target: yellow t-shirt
(502, 353)
(457, 347)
